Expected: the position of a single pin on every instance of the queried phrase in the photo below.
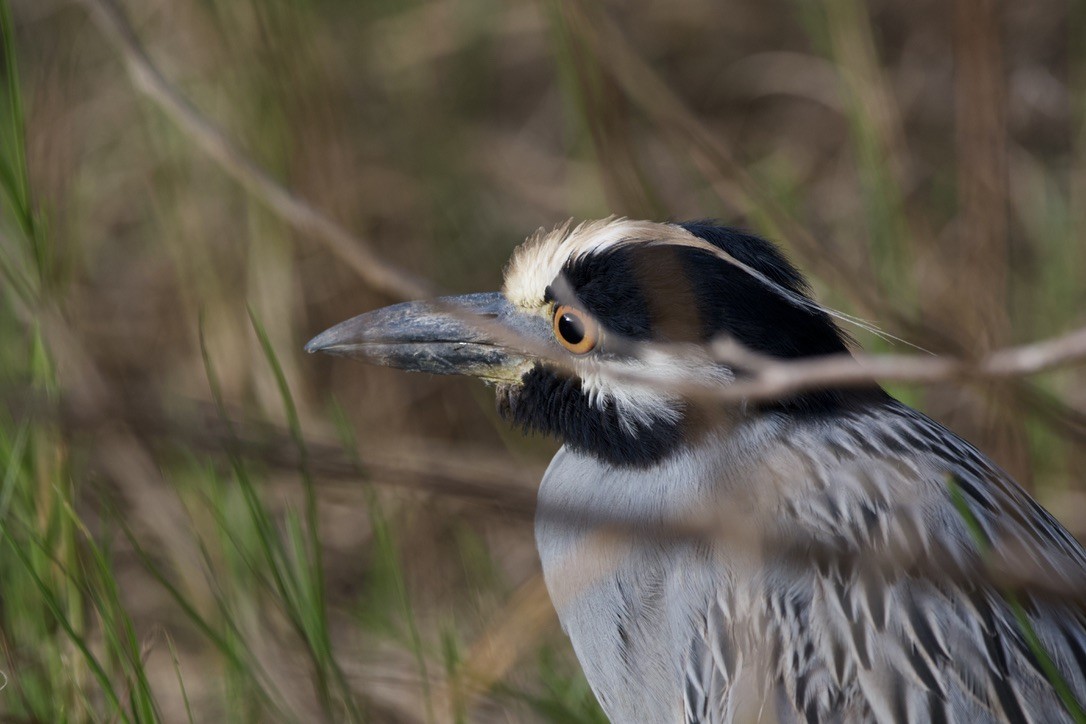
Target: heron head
(597, 324)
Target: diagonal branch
(299, 213)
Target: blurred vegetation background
(201, 523)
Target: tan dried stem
(299, 213)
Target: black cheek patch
(554, 404)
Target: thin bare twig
(769, 378)
(299, 213)
(762, 378)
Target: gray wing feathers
(854, 639)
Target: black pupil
(571, 328)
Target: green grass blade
(56, 609)
(1036, 646)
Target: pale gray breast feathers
(813, 572)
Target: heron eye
(575, 330)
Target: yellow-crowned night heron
(832, 556)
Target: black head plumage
(671, 293)
(674, 293)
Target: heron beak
(473, 334)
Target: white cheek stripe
(636, 405)
(646, 403)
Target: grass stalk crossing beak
(460, 335)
